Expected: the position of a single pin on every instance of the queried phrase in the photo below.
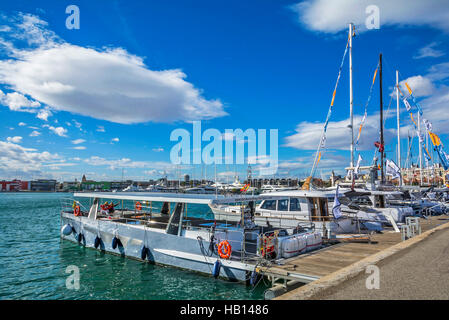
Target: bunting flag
(329, 112)
(245, 188)
(443, 156)
(413, 120)
(336, 208)
(428, 124)
(357, 167)
(392, 170)
(408, 88)
(306, 185)
(413, 98)
(427, 155)
(362, 123)
(407, 104)
(435, 139)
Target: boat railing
(68, 205)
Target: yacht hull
(166, 249)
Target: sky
(103, 100)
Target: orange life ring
(138, 206)
(77, 211)
(224, 249)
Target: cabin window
(295, 204)
(283, 205)
(269, 205)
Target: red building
(14, 185)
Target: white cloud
(16, 139)
(78, 141)
(115, 140)
(22, 124)
(332, 16)
(60, 131)
(338, 135)
(125, 163)
(22, 161)
(43, 114)
(79, 148)
(18, 102)
(421, 86)
(35, 133)
(434, 92)
(158, 149)
(109, 84)
(429, 51)
(100, 129)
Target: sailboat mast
(351, 101)
(381, 122)
(398, 125)
(420, 150)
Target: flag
(357, 167)
(435, 139)
(392, 170)
(427, 124)
(336, 210)
(245, 188)
(408, 88)
(407, 105)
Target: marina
(224, 151)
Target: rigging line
(362, 122)
(321, 143)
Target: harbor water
(34, 260)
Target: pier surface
(333, 266)
(419, 272)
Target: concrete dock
(333, 265)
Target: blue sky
(107, 96)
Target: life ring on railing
(138, 206)
(77, 211)
(224, 249)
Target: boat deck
(314, 265)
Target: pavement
(416, 273)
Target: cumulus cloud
(43, 114)
(16, 139)
(21, 160)
(18, 102)
(35, 133)
(421, 86)
(60, 131)
(22, 124)
(332, 16)
(434, 93)
(108, 84)
(338, 135)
